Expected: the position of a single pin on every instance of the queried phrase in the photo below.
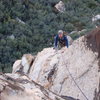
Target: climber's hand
(56, 49)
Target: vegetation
(27, 26)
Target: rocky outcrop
(23, 65)
(96, 20)
(60, 6)
(20, 21)
(66, 74)
(16, 66)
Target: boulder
(96, 20)
(60, 6)
(23, 65)
(27, 61)
(16, 66)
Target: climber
(61, 39)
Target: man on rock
(60, 40)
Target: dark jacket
(63, 41)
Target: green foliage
(74, 36)
(33, 24)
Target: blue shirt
(63, 39)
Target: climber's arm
(55, 42)
(66, 41)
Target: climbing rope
(73, 79)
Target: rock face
(66, 74)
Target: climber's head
(60, 33)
